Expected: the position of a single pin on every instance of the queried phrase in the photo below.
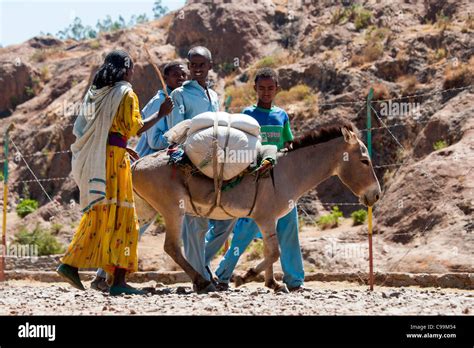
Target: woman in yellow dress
(107, 235)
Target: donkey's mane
(321, 135)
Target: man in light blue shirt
(190, 100)
(151, 140)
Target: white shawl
(91, 129)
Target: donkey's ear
(349, 136)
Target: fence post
(5, 204)
(369, 209)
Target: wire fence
(21, 158)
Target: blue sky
(20, 20)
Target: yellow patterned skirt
(107, 236)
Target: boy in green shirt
(275, 130)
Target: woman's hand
(166, 107)
(133, 154)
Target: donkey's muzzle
(371, 196)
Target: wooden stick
(158, 72)
(371, 256)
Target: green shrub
(330, 220)
(26, 206)
(359, 217)
(30, 92)
(360, 16)
(47, 244)
(440, 144)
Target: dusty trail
(36, 298)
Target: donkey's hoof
(272, 284)
(238, 281)
(204, 288)
(281, 288)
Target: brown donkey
(313, 158)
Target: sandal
(125, 290)
(71, 275)
(100, 284)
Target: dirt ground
(36, 298)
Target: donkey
(313, 158)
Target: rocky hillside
(418, 56)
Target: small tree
(159, 10)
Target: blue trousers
(194, 240)
(246, 230)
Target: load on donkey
(163, 185)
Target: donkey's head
(355, 169)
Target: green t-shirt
(274, 125)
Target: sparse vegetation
(94, 44)
(330, 220)
(371, 52)
(42, 55)
(459, 74)
(442, 21)
(468, 24)
(29, 91)
(359, 217)
(438, 54)
(26, 206)
(440, 144)
(45, 74)
(275, 60)
(296, 94)
(56, 228)
(226, 68)
(360, 16)
(79, 31)
(408, 83)
(242, 96)
(374, 48)
(47, 244)
(381, 91)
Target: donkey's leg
(271, 254)
(172, 247)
